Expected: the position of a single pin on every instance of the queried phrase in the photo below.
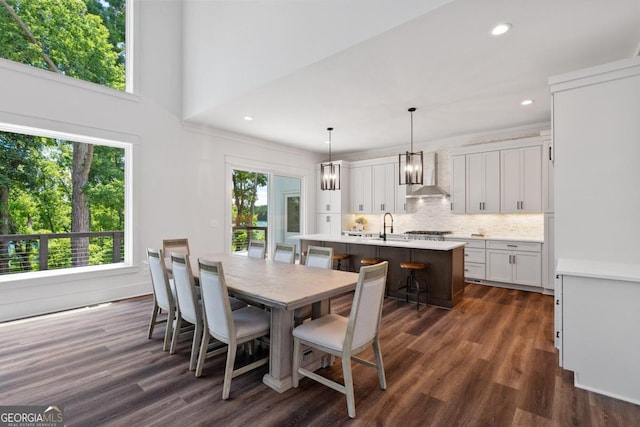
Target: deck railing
(242, 234)
(20, 253)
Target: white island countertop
(410, 244)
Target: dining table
(282, 287)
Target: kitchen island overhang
(444, 273)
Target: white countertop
(496, 237)
(411, 244)
(599, 269)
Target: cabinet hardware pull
(557, 302)
(404, 206)
(514, 259)
(550, 153)
(557, 334)
(451, 206)
(328, 218)
(466, 269)
(512, 246)
(328, 207)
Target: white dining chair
(189, 307)
(164, 295)
(257, 249)
(230, 327)
(180, 246)
(319, 257)
(284, 253)
(346, 337)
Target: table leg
(280, 348)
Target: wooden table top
(279, 285)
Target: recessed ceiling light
(248, 118)
(500, 29)
(527, 102)
(327, 142)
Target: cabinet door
(458, 178)
(329, 224)
(384, 188)
(483, 182)
(499, 267)
(531, 178)
(401, 191)
(521, 181)
(548, 178)
(527, 268)
(511, 169)
(360, 189)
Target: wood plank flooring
(488, 362)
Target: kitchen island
(444, 274)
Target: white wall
(179, 172)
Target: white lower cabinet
(514, 262)
(474, 258)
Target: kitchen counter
(444, 272)
(392, 242)
(492, 237)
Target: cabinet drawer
(514, 246)
(471, 243)
(473, 255)
(473, 271)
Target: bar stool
(369, 261)
(339, 258)
(411, 280)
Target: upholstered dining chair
(230, 327)
(346, 337)
(257, 249)
(180, 246)
(284, 253)
(189, 306)
(164, 295)
(319, 257)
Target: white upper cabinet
(328, 201)
(360, 177)
(384, 188)
(521, 181)
(401, 191)
(483, 182)
(458, 178)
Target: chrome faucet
(384, 226)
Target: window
(84, 39)
(62, 201)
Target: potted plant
(360, 223)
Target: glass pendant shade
(329, 172)
(410, 170)
(330, 176)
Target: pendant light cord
(329, 129)
(411, 110)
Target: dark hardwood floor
(488, 362)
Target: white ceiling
(299, 66)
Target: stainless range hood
(430, 187)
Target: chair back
(257, 249)
(319, 257)
(160, 279)
(179, 246)
(366, 310)
(215, 300)
(284, 253)
(185, 288)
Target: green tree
(245, 195)
(64, 37)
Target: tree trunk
(4, 229)
(80, 215)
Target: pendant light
(410, 163)
(329, 172)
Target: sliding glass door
(265, 207)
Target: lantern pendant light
(410, 163)
(329, 172)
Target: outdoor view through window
(62, 201)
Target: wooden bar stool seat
(339, 258)
(411, 281)
(370, 261)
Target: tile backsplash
(435, 214)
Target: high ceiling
(299, 66)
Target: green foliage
(77, 41)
